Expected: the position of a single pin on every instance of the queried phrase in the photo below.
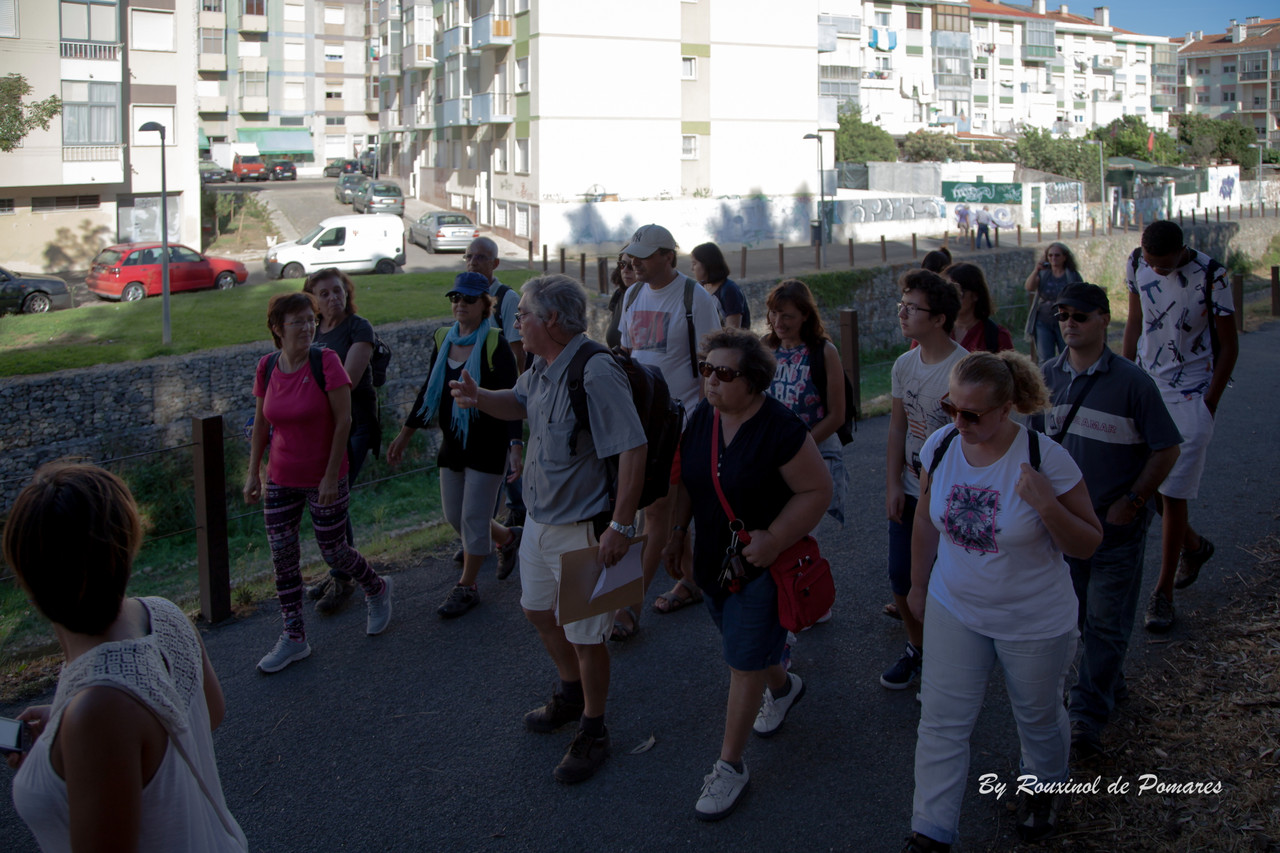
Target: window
(292, 121)
(915, 20)
(152, 30)
(90, 113)
(884, 63)
(979, 72)
(882, 19)
(522, 75)
(253, 7)
(332, 95)
(688, 68)
(1228, 97)
(1228, 69)
(334, 121)
(160, 115)
(295, 90)
(333, 52)
(500, 156)
(334, 15)
(8, 29)
(688, 147)
(90, 20)
(522, 156)
(51, 203)
(842, 83)
(295, 12)
(211, 5)
(500, 214)
(951, 67)
(213, 41)
(253, 84)
(6, 207)
(295, 51)
(522, 220)
(951, 18)
(1202, 98)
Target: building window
(500, 156)
(295, 90)
(291, 121)
(979, 72)
(334, 15)
(6, 207)
(1202, 98)
(522, 156)
(688, 147)
(213, 41)
(333, 52)
(249, 46)
(295, 51)
(500, 214)
(882, 19)
(335, 121)
(884, 63)
(160, 115)
(90, 20)
(522, 75)
(332, 95)
(1228, 97)
(915, 20)
(55, 203)
(522, 220)
(253, 84)
(1228, 69)
(151, 30)
(951, 18)
(211, 5)
(253, 7)
(841, 82)
(90, 113)
(295, 12)
(9, 25)
(688, 68)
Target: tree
(18, 119)
(858, 141)
(1070, 158)
(1128, 136)
(988, 151)
(924, 146)
(1202, 139)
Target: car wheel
(133, 292)
(225, 281)
(293, 270)
(431, 246)
(37, 303)
(386, 266)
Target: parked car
(369, 162)
(441, 230)
(350, 243)
(248, 167)
(282, 170)
(378, 197)
(339, 167)
(347, 185)
(28, 293)
(131, 271)
(212, 173)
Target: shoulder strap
(818, 373)
(498, 299)
(1135, 258)
(736, 526)
(941, 451)
(1033, 448)
(688, 318)
(578, 391)
(1075, 407)
(633, 293)
(993, 334)
(491, 342)
(315, 357)
(228, 822)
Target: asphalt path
(413, 740)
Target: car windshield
(311, 235)
(455, 219)
(206, 166)
(250, 159)
(107, 257)
(386, 189)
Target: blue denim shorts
(748, 623)
(900, 548)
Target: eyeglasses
(301, 324)
(724, 374)
(521, 315)
(1064, 316)
(476, 257)
(625, 265)
(909, 309)
(455, 298)
(950, 410)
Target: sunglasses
(950, 410)
(455, 298)
(1064, 316)
(724, 374)
(625, 265)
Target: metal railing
(90, 50)
(91, 153)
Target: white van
(365, 243)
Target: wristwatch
(628, 531)
(1136, 499)
(515, 442)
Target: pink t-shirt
(301, 420)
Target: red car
(131, 271)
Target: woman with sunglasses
(1056, 269)
(475, 448)
(991, 529)
(622, 277)
(712, 271)
(774, 480)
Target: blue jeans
(953, 684)
(1107, 586)
(751, 637)
(900, 548)
(1049, 341)
(983, 231)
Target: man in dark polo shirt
(565, 494)
(1107, 412)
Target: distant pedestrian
(974, 328)
(712, 271)
(1056, 269)
(983, 219)
(964, 221)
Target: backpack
(379, 360)
(661, 416)
(818, 373)
(633, 293)
(315, 357)
(1033, 450)
(490, 343)
(498, 297)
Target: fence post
(562, 257)
(582, 265)
(1237, 300)
(779, 259)
(212, 552)
(743, 265)
(1039, 233)
(884, 251)
(1093, 226)
(850, 358)
(545, 268)
(530, 254)
(1077, 227)
(817, 255)
(1019, 235)
(946, 239)
(997, 230)
(1275, 292)
(1059, 230)
(1193, 216)
(851, 251)
(1219, 209)
(602, 270)
(914, 251)
(1181, 220)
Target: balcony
(878, 79)
(417, 117)
(90, 153)
(1108, 64)
(90, 50)
(492, 108)
(211, 62)
(211, 104)
(492, 31)
(1254, 75)
(1274, 137)
(254, 104)
(1062, 128)
(1038, 53)
(416, 56)
(92, 164)
(827, 40)
(457, 112)
(213, 19)
(1164, 102)
(389, 65)
(1101, 96)
(457, 40)
(1275, 103)
(252, 24)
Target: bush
(1240, 263)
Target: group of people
(1010, 545)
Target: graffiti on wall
(972, 193)
(886, 209)
(1063, 192)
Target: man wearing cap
(665, 314)
(1107, 413)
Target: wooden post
(1275, 292)
(914, 251)
(779, 259)
(1077, 227)
(1093, 227)
(817, 256)
(743, 265)
(212, 553)
(1019, 235)
(582, 265)
(946, 239)
(884, 251)
(1039, 233)
(1251, 210)
(1220, 214)
(602, 273)
(1237, 300)
(562, 258)
(530, 254)
(850, 358)
(1059, 230)
(545, 268)
(1181, 221)
(850, 251)
(1193, 217)
(997, 230)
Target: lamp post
(1102, 184)
(164, 231)
(822, 201)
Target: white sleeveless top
(182, 805)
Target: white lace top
(182, 805)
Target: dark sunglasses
(950, 410)
(455, 298)
(724, 374)
(1064, 316)
(625, 265)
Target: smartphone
(13, 735)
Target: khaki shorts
(1196, 425)
(540, 551)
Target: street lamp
(164, 230)
(822, 201)
(1102, 184)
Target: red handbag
(806, 589)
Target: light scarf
(461, 423)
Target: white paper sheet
(623, 572)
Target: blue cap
(470, 284)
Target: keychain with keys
(732, 571)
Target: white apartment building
(1234, 76)
(92, 178)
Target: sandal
(891, 610)
(623, 632)
(673, 601)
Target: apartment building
(93, 178)
(1235, 76)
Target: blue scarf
(435, 385)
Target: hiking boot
(509, 554)
(583, 759)
(917, 843)
(461, 599)
(316, 591)
(379, 610)
(1189, 565)
(286, 652)
(773, 712)
(721, 790)
(458, 557)
(901, 674)
(1037, 816)
(335, 595)
(1159, 616)
(556, 714)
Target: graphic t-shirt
(998, 570)
(921, 387)
(793, 385)
(301, 420)
(655, 330)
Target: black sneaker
(556, 714)
(901, 674)
(1159, 615)
(1191, 562)
(583, 759)
(337, 594)
(917, 843)
(458, 557)
(509, 554)
(316, 591)
(461, 599)
(1037, 816)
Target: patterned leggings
(282, 511)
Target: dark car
(27, 293)
(212, 173)
(282, 170)
(369, 163)
(346, 186)
(132, 271)
(339, 167)
(378, 197)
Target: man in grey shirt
(567, 494)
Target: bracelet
(515, 442)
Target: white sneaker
(286, 652)
(773, 712)
(379, 608)
(721, 789)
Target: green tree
(924, 146)
(1070, 158)
(1202, 139)
(1128, 136)
(858, 141)
(988, 151)
(18, 119)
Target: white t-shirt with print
(655, 330)
(921, 387)
(998, 570)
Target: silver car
(378, 197)
(347, 185)
(441, 230)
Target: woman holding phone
(1056, 269)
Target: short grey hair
(487, 244)
(560, 294)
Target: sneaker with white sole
(721, 790)
(286, 652)
(379, 610)
(773, 712)
(901, 674)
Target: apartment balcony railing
(91, 153)
(90, 50)
(211, 62)
(389, 65)
(456, 112)
(1164, 102)
(1107, 63)
(1038, 53)
(417, 56)
(1274, 137)
(1275, 103)
(212, 104)
(457, 40)
(492, 31)
(254, 104)
(253, 24)
(492, 108)
(1254, 75)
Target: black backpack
(661, 416)
(379, 360)
(503, 290)
(818, 373)
(1033, 450)
(315, 357)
